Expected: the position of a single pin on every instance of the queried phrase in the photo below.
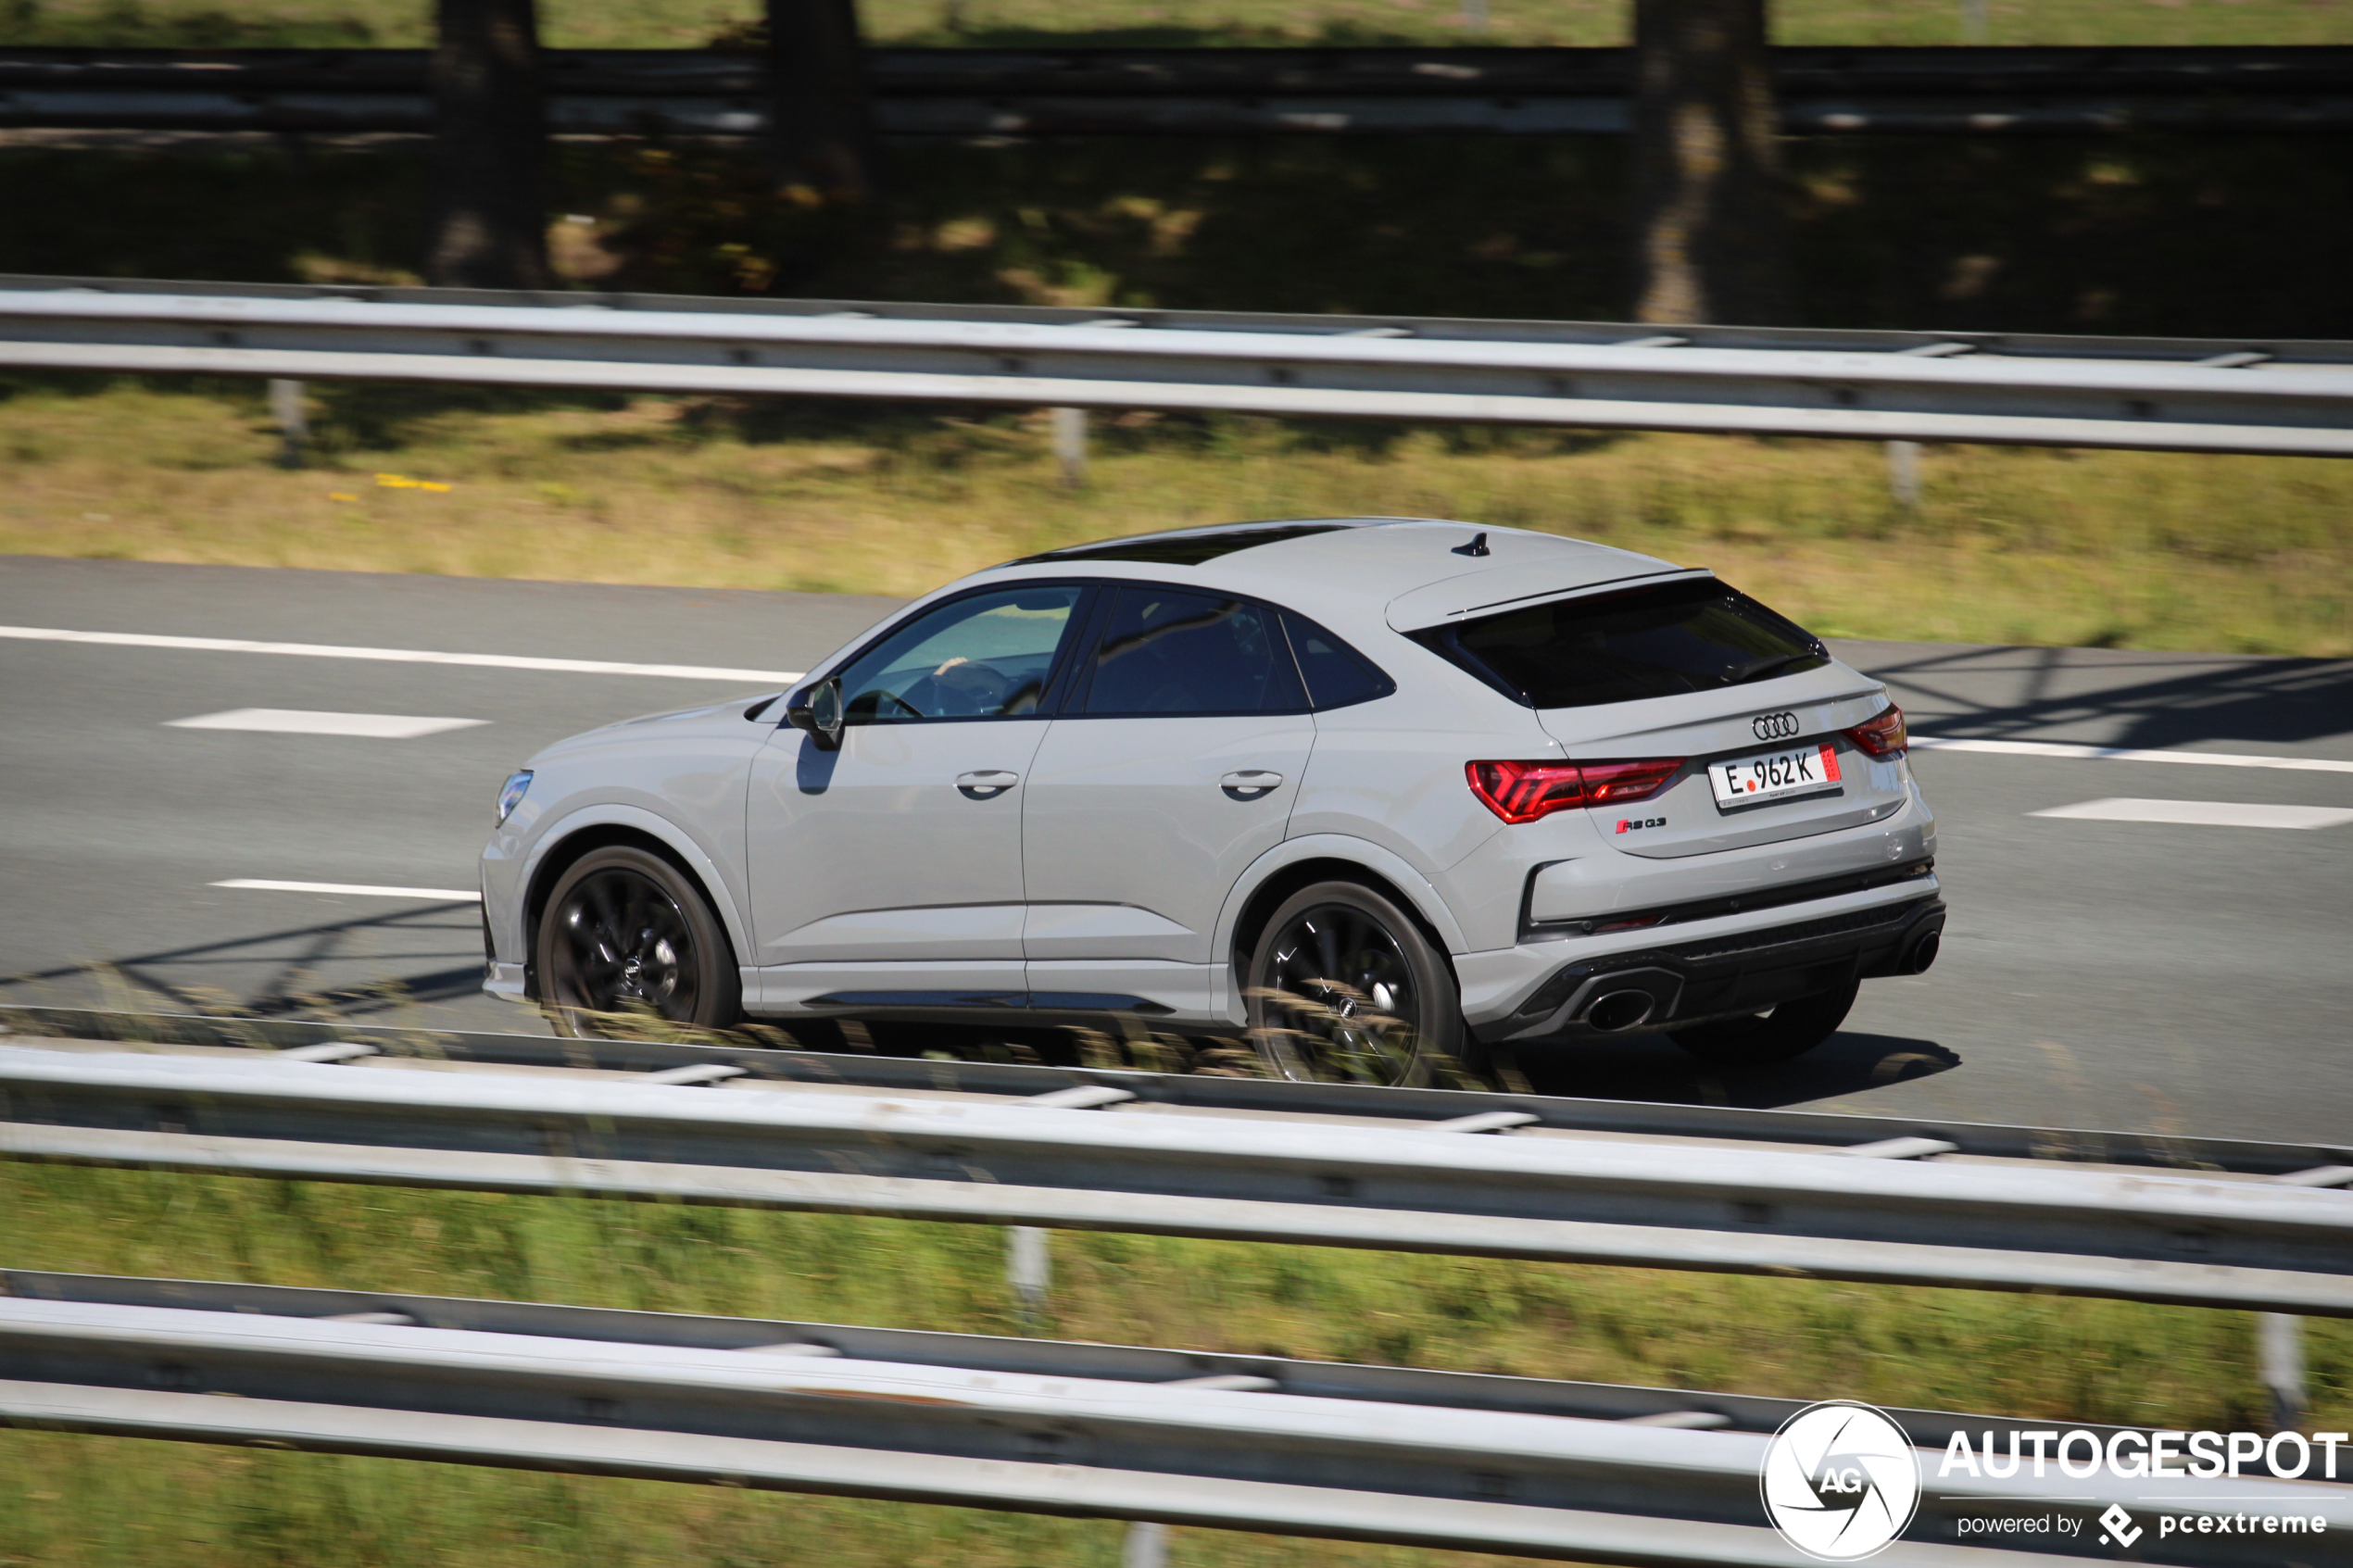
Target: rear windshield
(1690, 636)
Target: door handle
(1248, 783)
(986, 785)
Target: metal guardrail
(2177, 395)
(1584, 1471)
(1203, 91)
(1362, 1103)
(2197, 1240)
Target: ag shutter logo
(1774, 726)
(1840, 1481)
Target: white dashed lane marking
(2203, 813)
(353, 889)
(311, 721)
(398, 656)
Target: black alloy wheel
(1779, 1032)
(1345, 987)
(624, 941)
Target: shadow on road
(340, 969)
(372, 965)
(2114, 697)
(1649, 1067)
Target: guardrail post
(1070, 445)
(2280, 1335)
(1029, 1269)
(1904, 473)
(292, 421)
(1146, 1546)
(1973, 21)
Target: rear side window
(1336, 675)
(1168, 651)
(1691, 637)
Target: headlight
(510, 794)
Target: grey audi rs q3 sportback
(1381, 792)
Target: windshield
(1660, 641)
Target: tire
(1391, 1014)
(1787, 1030)
(626, 939)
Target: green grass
(102, 1502)
(662, 24)
(2008, 545)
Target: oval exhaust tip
(1924, 953)
(1621, 1011)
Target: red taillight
(1521, 792)
(1622, 784)
(1882, 737)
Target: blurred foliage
(2194, 237)
(82, 1502)
(657, 24)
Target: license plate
(1774, 776)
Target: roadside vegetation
(662, 24)
(88, 1502)
(2006, 544)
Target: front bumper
(1729, 975)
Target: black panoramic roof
(1190, 547)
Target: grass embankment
(82, 1503)
(657, 24)
(2007, 546)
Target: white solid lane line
(311, 721)
(400, 655)
(2131, 754)
(2202, 813)
(362, 890)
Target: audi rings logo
(1774, 726)
(1840, 1481)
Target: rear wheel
(626, 940)
(1345, 987)
(1790, 1029)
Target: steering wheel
(964, 687)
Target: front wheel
(625, 940)
(1793, 1028)
(1345, 987)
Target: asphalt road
(2145, 975)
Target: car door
(888, 873)
(1171, 766)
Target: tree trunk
(489, 225)
(820, 114)
(1709, 194)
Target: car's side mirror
(816, 712)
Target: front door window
(985, 657)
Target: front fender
(697, 859)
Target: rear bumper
(1728, 975)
